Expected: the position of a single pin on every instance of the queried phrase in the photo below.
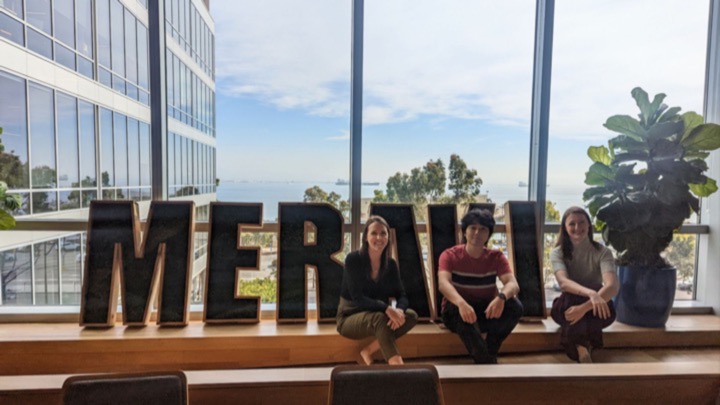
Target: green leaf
(624, 142)
(643, 102)
(598, 175)
(705, 137)
(592, 192)
(665, 130)
(656, 108)
(599, 154)
(670, 114)
(631, 156)
(691, 119)
(704, 190)
(626, 125)
(597, 203)
(6, 220)
(696, 155)
(665, 149)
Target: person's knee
(514, 308)
(411, 316)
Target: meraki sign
(154, 264)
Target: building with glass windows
(76, 108)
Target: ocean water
(271, 193)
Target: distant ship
(522, 184)
(341, 182)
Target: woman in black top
(370, 279)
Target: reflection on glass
(65, 22)
(46, 273)
(133, 148)
(16, 276)
(106, 148)
(14, 7)
(38, 14)
(71, 262)
(145, 154)
(130, 47)
(142, 51)
(39, 43)
(84, 27)
(11, 29)
(64, 56)
(69, 200)
(117, 37)
(42, 137)
(44, 202)
(121, 163)
(102, 27)
(87, 197)
(87, 144)
(14, 157)
(68, 170)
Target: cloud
(345, 135)
(468, 60)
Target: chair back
(416, 384)
(168, 388)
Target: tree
(317, 194)
(681, 253)
(551, 212)
(8, 202)
(464, 183)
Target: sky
(439, 78)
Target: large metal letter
(223, 303)
(401, 219)
(115, 251)
(296, 254)
(442, 233)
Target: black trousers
(587, 331)
(483, 351)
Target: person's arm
(357, 277)
(467, 313)
(510, 289)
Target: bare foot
(583, 354)
(395, 360)
(363, 358)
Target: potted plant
(643, 186)
(8, 202)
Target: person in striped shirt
(472, 306)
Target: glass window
(85, 67)
(170, 80)
(11, 29)
(463, 119)
(44, 202)
(105, 77)
(64, 56)
(68, 166)
(42, 137)
(587, 89)
(107, 148)
(38, 14)
(84, 27)
(14, 7)
(47, 273)
(16, 272)
(171, 161)
(69, 200)
(71, 262)
(121, 162)
(102, 26)
(118, 37)
(39, 43)
(88, 165)
(142, 50)
(145, 169)
(133, 147)
(130, 47)
(14, 157)
(65, 21)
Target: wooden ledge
(66, 348)
(690, 382)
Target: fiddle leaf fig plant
(649, 178)
(8, 202)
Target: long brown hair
(563, 239)
(364, 248)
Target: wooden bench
(670, 382)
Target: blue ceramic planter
(646, 295)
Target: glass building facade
(75, 108)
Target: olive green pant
(367, 324)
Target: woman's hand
(396, 317)
(575, 313)
(600, 307)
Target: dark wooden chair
(169, 388)
(416, 384)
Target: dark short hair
(480, 217)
